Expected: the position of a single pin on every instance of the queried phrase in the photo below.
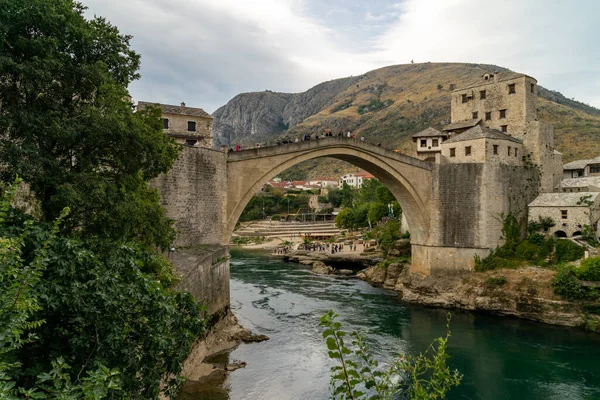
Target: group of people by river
(326, 247)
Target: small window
(488, 115)
(467, 150)
(464, 98)
(190, 142)
(453, 152)
(516, 152)
(594, 168)
(423, 142)
(165, 123)
(191, 126)
(504, 128)
(509, 151)
(482, 94)
(563, 214)
(532, 88)
(475, 114)
(512, 89)
(495, 148)
(502, 114)
(435, 142)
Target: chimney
(182, 104)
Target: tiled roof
(298, 183)
(429, 132)
(324, 178)
(364, 174)
(563, 199)
(580, 164)
(584, 181)
(171, 109)
(480, 132)
(462, 124)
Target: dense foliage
(358, 375)
(535, 249)
(274, 202)
(365, 206)
(93, 305)
(87, 308)
(68, 128)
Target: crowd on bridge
(306, 137)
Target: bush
(565, 285)
(527, 251)
(589, 270)
(567, 251)
(495, 282)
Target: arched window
(560, 234)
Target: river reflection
(501, 358)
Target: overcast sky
(204, 52)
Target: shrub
(567, 251)
(495, 282)
(527, 251)
(589, 270)
(565, 285)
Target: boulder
(375, 274)
(345, 272)
(319, 267)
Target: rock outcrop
(319, 267)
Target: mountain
(388, 105)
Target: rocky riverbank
(207, 366)
(524, 293)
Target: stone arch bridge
(452, 209)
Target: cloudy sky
(204, 52)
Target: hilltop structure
(189, 126)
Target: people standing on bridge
(349, 136)
(362, 138)
(237, 147)
(296, 141)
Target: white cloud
(206, 51)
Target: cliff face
(388, 105)
(260, 116)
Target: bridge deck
(325, 143)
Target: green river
(500, 357)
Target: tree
(389, 236)
(384, 195)
(68, 128)
(334, 197)
(347, 194)
(105, 308)
(376, 212)
(345, 219)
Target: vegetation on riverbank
(358, 374)
(87, 301)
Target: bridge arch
(409, 179)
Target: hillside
(388, 105)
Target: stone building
(507, 102)
(582, 168)
(483, 145)
(429, 143)
(189, 126)
(585, 184)
(570, 212)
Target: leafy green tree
(101, 306)
(368, 191)
(347, 194)
(345, 219)
(334, 197)
(384, 195)
(358, 375)
(68, 128)
(376, 212)
(389, 236)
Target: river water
(500, 357)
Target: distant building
(570, 212)
(429, 143)
(324, 182)
(355, 179)
(187, 125)
(582, 168)
(585, 184)
(483, 145)
(507, 102)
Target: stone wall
(204, 272)
(482, 150)
(194, 194)
(178, 124)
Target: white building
(429, 143)
(355, 179)
(324, 182)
